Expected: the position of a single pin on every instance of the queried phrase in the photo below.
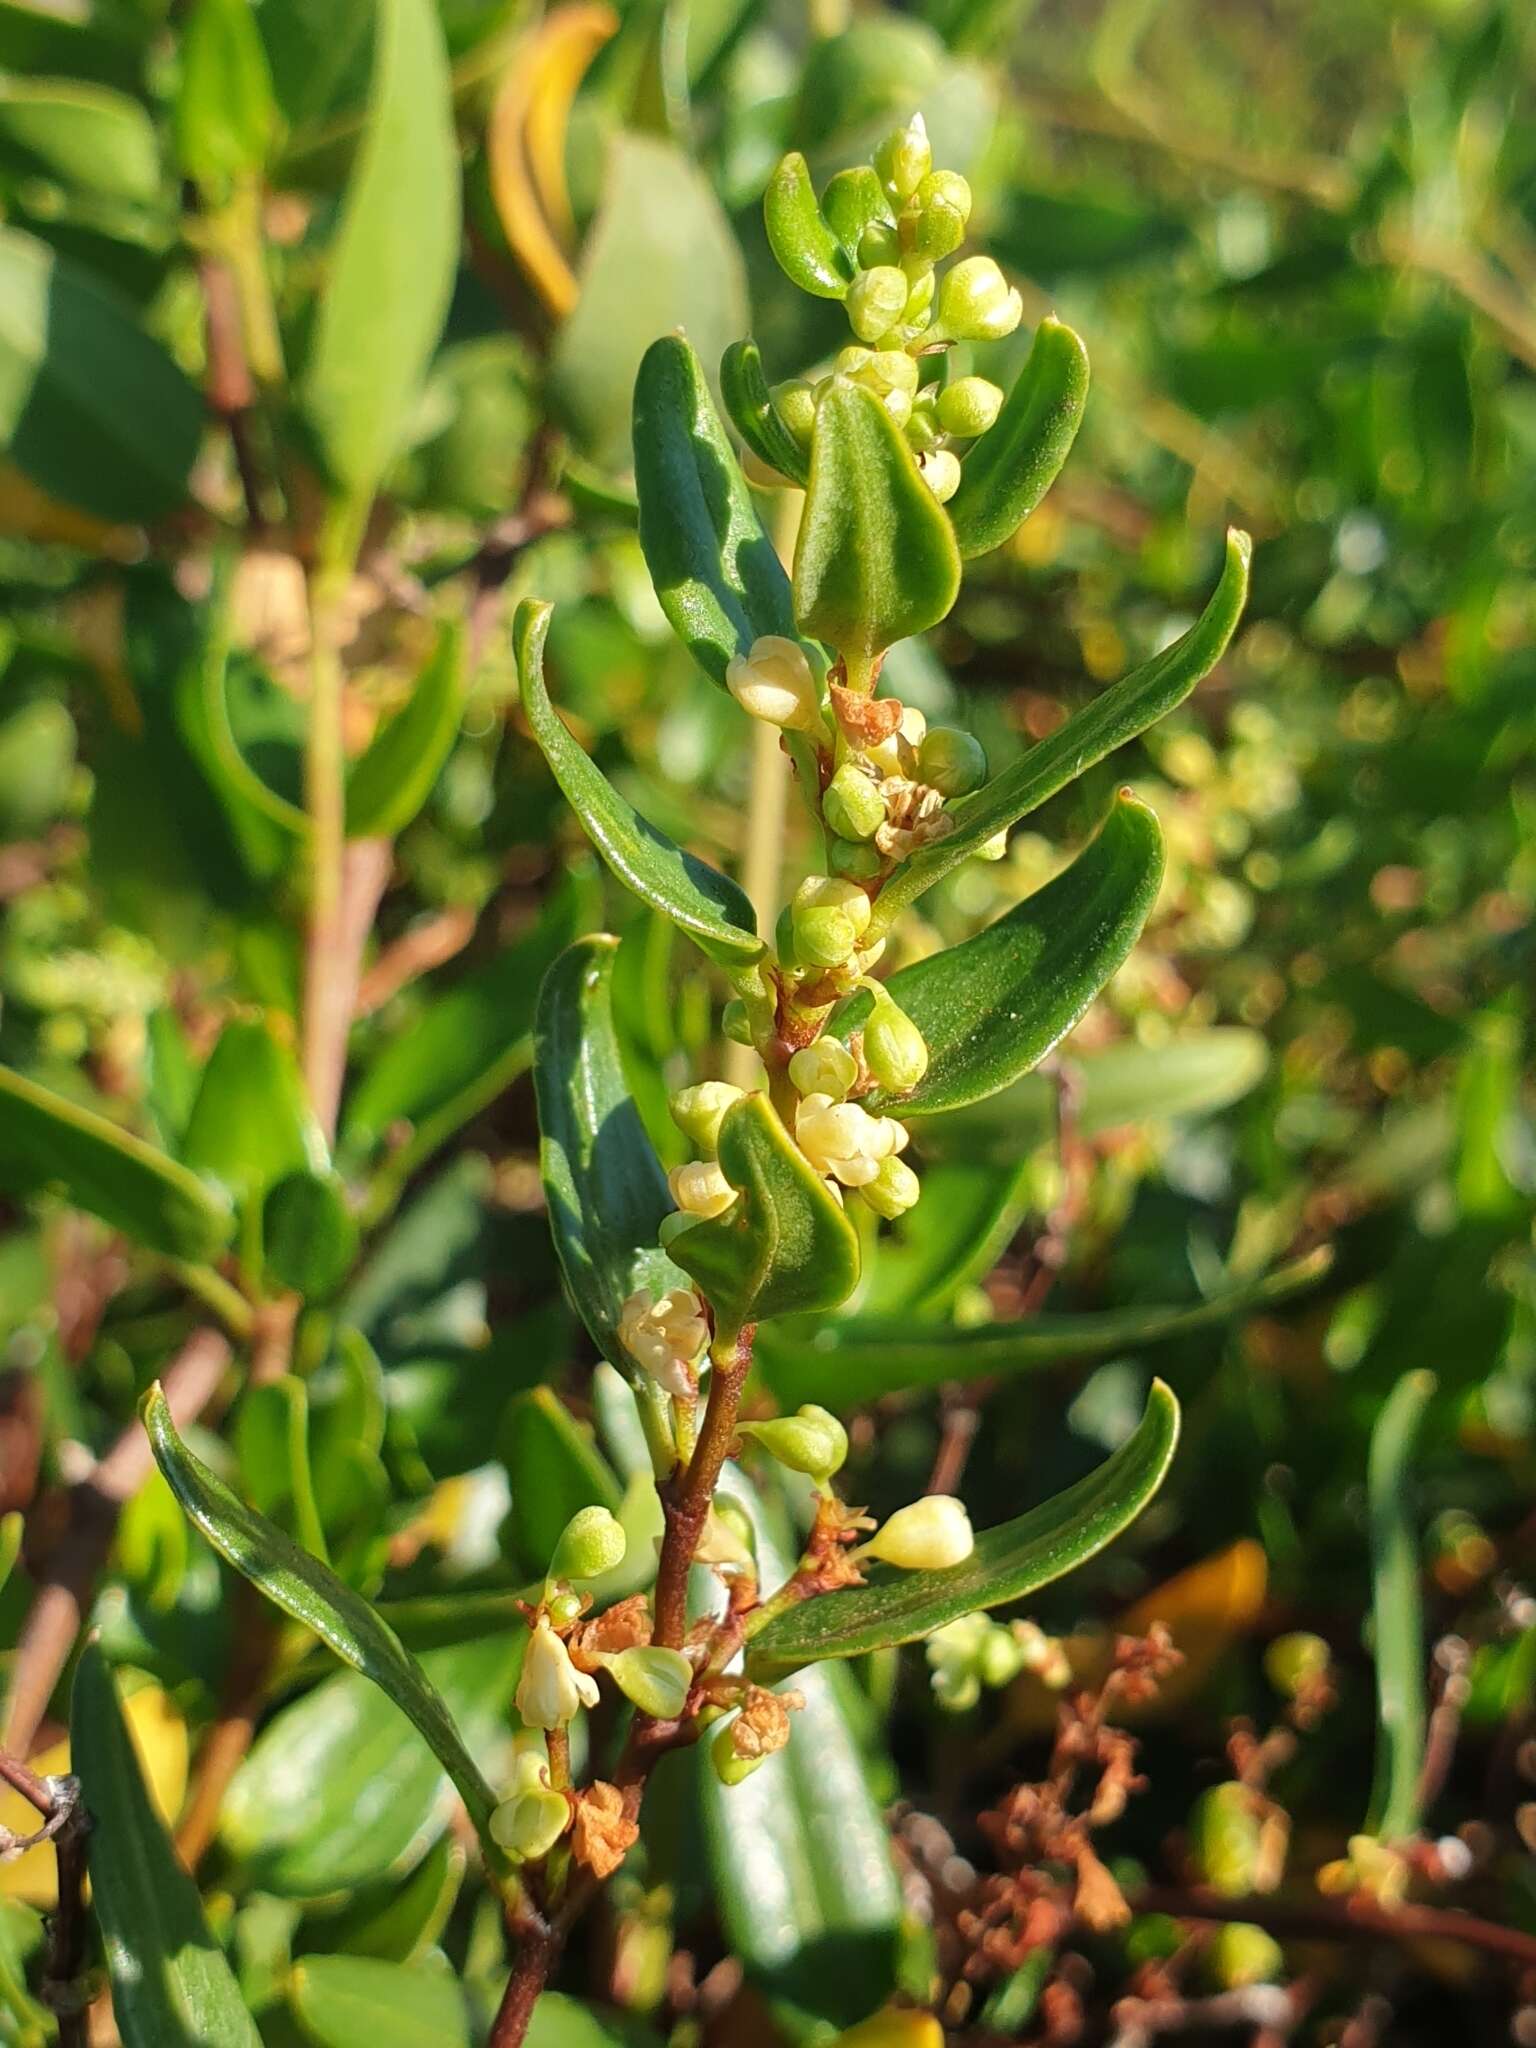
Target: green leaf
(171, 1987)
(785, 1246)
(876, 559)
(994, 1006)
(312, 1594)
(251, 1123)
(309, 1234)
(1397, 1610)
(561, 2022)
(1014, 464)
(225, 117)
(967, 1217)
(711, 909)
(86, 138)
(391, 781)
(716, 574)
(1009, 1562)
(805, 248)
(92, 410)
(847, 1365)
(400, 1923)
(392, 265)
(48, 1141)
(554, 1469)
(1125, 709)
(341, 2001)
(271, 1441)
(746, 397)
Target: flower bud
(904, 159)
(551, 1689)
(856, 861)
(876, 300)
(1224, 1838)
(591, 1543)
(969, 406)
(853, 806)
(657, 1681)
(928, 1536)
(795, 402)
(701, 1188)
(728, 1537)
(939, 227)
(895, 1051)
(898, 404)
(730, 1768)
(531, 1821)
(890, 369)
(699, 1111)
(843, 1141)
(828, 918)
(813, 1441)
(918, 310)
(563, 1606)
(825, 1068)
(941, 473)
(976, 302)
(665, 1337)
(898, 754)
(951, 761)
(1295, 1661)
(735, 1023)
(879, 246)
(947, 189)
(894, 1189)
(922, 429)
(853, 360)
(773, 682)
(1241, 1954)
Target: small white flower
(701, 1188)
(926, 1536)
(551, 1689)
(773, 682)
(666, 1337)
(843, 1140)
(825, 1068)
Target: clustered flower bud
(842, 1141)
(773, 681)
(895, 1051)
(828, 918)
(825, 1068)
(811, 1441)
(551, 1691)
(532, 1817)
(666, 1338)
(700, 1110)
(700, 1188)
(591, 1543)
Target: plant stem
(66, 1825)
(537, 1947)
(686, 1501)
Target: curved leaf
(744, 390)
(805, 248)
(225, 116)
(84, 137)
(1016, 461)
(1397, 1609)
(1125, 709)
(251, 1122)
(393, 779)
(876, 559)
(785, 1246)
(555, 1470)
(170, 1981)
(994, 1006)
(344, 2000)
(968, 1215)
(705, 904)
(309, 1235)
(1009, 1562)
(309, 1591)
(46, 1140)
(716, 574)
(847, 1365)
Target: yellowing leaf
(894, 2030)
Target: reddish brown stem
(537, 1947)
(686, 1499)
(66, 1824)
(334, 970)
(1359, 1918)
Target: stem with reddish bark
(66, 1824)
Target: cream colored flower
(665, 1338)
(927, 1536)
(701, 1188)
(843, 1140)
(551, 1689)
(773, 682)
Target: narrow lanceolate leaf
(1016, 461)
(716, 574)
(756, 418)
(393, 779)
(711, 909)
(309, 1591)
(1008, 1563)
(1397, 1610)
(392, 265)
(847, 1365)
(994, 1006)
(876, 559)
(46, 1141)
(1125, 709)
(807, 251)
(170, 1981)
(785, 1246)
(225, 117)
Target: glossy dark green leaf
(86, 138)
(309, 1234)
(1125, 709)
(993, 1007)
(251, 1123)
(554, 1469)
(709, 907)
(313, 1595)
(785, 1246)
(391, 781)
(342, 2001)
(717, 576)
(1397, 1610)
(92, 410)
(171, 1987)
(807, 251)
(392, 264)
(225, 114)
(1014, 464)
(746, 397)
(46, 1141)
(271, 1442)
(876, 559)
(1009, 1562)
(847, 1365)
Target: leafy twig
(65, 1824)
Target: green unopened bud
(1295, 1661)
(876, 300)
(939, 227)
(895, 1051)
(922, 429)
(853, 806)
(894, 1189)
(929, 1536)
(795, 400)
(969, 406)
(563, 1606)
(1224, 1838)
(1000, 1657)
(891, 369)
(854, 202)
(941, 473)
(813, 1441)
(529, 1824)
(735, 1023)
(677, 1225)
(591, 1543)
(947, 189)
(1241, 1954)
(976, 302)
(879, 245)
(699, 1111)
(657, 1681)
(853, 360)
(730, 1768)
(828, 916)
(858, 862)
(904, 159)
(952, 762)
(915, 314)
(825, 1068)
